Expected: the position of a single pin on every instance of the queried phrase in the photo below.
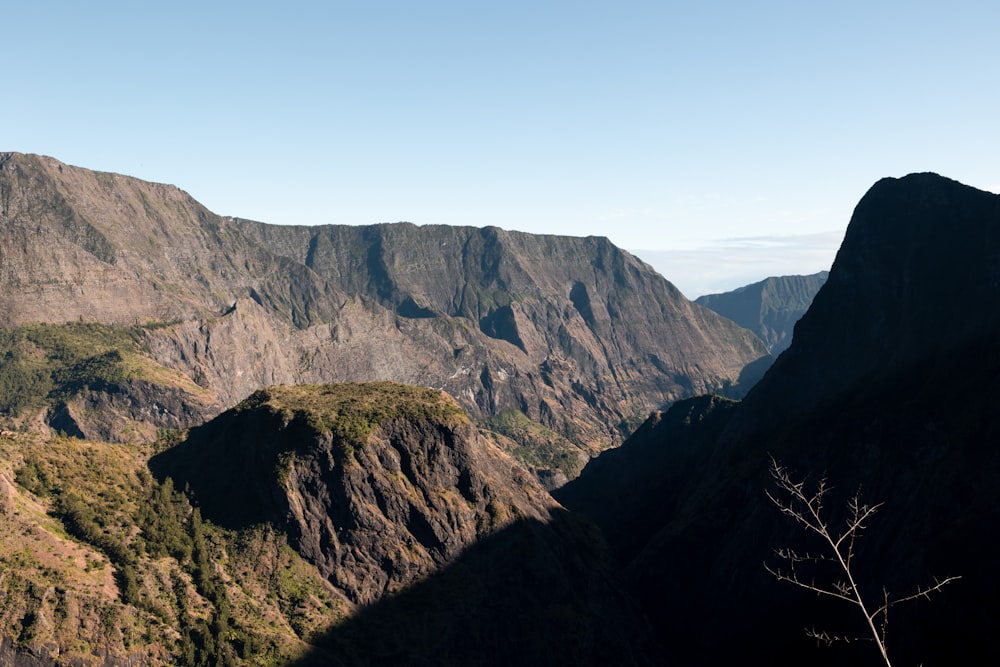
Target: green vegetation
(207, 595)
(351, 411)
(535, 445)
(43, 363)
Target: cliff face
(375, 484)
(889, 391)
(337, 524)
(447, 549)
(769, 308)
(574, 333)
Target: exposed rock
(573, 332)
(769, 308)
(376, 484)
(130, 411)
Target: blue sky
(723, 141)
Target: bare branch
(824, 637)
(922, 592)
(809, 586)
(807, 510)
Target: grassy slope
(96, 556)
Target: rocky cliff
(574, 333)
(888, 390)
(348, 524)
(376, 484)
(769, 308)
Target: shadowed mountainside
(889, 390)
(535, 593)
(374, 483)
(769, 308)
(449, 550)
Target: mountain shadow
(535, 593)
(888, 390)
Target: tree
(806, 508)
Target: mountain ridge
(770, 308)
(576, 334)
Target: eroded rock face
(376, 484)
(130, 411)
(769, 308)
(573, 332)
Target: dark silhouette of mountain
(535, 593)
(770, 308)
(574, 333)
(888, 390)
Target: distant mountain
(770, 308)
(888, 390)
(573, 333)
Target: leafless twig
(806, 508)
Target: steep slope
(338, 524)
(889, 390)
(574, 333)
(374, 483)
(441, 543)
(100, 565)
(769, 308)
(93, 381)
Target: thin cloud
(726, 264)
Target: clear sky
(724, 141)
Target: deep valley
(226, 442)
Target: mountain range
(191, 511)
(573, 334)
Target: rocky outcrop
(130, 411)
(573, 332)
(769, 308)
(376, 484)
(449, 550)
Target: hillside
(770, 308)
(888, 391)
(374, 483)
(573, 333)
(309, 513)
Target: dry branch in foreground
(806, 508)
